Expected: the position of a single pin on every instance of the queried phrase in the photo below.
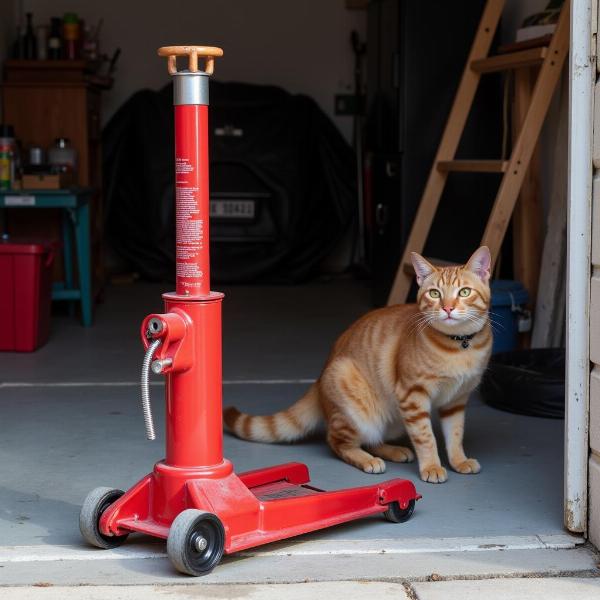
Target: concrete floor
(71, 421)
(495, 589)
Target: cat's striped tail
(285, 426)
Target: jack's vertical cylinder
(194, 428)
(194, 422)
(191, 184)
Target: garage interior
(92, 432)
(71, 417)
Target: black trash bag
(527, 382)
(289, 152)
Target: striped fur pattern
(389, 371)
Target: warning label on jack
(192, 201)
(183, 165)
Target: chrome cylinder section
(190, 88)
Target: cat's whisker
(422, 317)
(425, 325)
(492, 317)
(418, 316)
(477, 320)
(419, 327)
(499, 325)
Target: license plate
(233, 209)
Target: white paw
(374, 465)
(434, 474)
(402, 455)
(468, 467)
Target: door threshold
(418, 545)
(414, 545)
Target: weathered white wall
(594, 320)
(302, 46)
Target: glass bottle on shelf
(7, 157)
(41, 33)
(71, 35)
(54, 39)
(29, 40)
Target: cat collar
(464, 339)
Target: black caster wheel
(96, 502)
(395, 514)
(196, 542)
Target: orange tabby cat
(390, 369)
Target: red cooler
(25, 294)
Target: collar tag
(465, 340)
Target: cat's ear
(480, 263)
(423, 268)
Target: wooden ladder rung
(472, 166)
(512, 60)
(436, 262)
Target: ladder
(550, 59)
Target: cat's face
(454, 300)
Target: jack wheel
(96, 502)
(196, 542)
(395, 514)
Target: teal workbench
(75, 232)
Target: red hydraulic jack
(193, 498)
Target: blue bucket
(508, 301)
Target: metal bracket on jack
(175, 329)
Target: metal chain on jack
(145, 385)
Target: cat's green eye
(434, 293)
(464, 292)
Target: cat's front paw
(373, 465)
(434, 474)
(401, 454)
(468, 467)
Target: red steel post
(191, 193)
(194, 427)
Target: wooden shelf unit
(45, 100)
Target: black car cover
(265, 143)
